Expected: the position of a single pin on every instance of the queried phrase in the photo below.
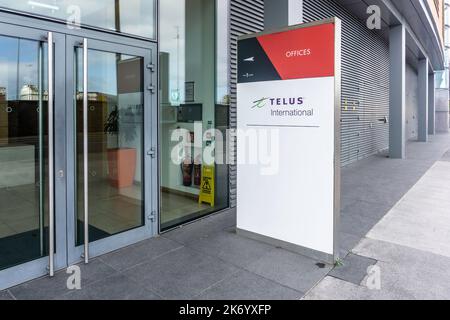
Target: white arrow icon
(248, 75)
(251, 59)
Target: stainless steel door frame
(77, 253)
(41, 266)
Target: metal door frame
(33, 28)
(39, 267)
(149, 230)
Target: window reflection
(23, 151)
(193, 91)
(115, 144)
(135, 17)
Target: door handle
(384, 120)
(51, 153)
(85, 150)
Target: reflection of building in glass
(3, 117)
(97, 97)
(2, 94)
(30, 92)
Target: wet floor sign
(207, 186)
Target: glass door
(30, 108)
(110, 146)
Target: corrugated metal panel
(365, 82)
(365, 76)
(246, 16)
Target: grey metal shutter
(365, 82)
(246, 16)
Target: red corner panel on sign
(301, 53)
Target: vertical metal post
(397, 92)
(51, 153)
(85, 150)
(41, 149)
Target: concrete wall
(412, 103)
(442, 110)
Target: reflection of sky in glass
(222, 50)
(19, 65)
(102, 71)
(136, 16)
(172, 41)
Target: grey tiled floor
(207, 260)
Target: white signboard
(289, 138)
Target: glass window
(442, 79)
(194, 109)
(115, 144)
(23, 151)
(135, 17)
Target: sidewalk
(410, 246)
(207, 260)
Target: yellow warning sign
(207, 186)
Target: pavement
(394, 217)
(409, 247)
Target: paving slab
(289, 269)
(201, 229)
(331, 288)
(244, 285)
(50, 288)
(231, 248)
(180, 274)
(145, 251)
(421, 227)
(347, 242)
(353, 269)
(116, 287)
(409, 272)
(5, 295)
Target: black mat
(94, 233)
(25, 247)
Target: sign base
(310, 253)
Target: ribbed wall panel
(365, 82)
(246, 16)
(365, 76)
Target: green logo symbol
(261, 103)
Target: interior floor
(175, 207)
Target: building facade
(96, 96)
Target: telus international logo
(279, 102)
(261, 103)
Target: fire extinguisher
(197, 174)
(186, 169)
